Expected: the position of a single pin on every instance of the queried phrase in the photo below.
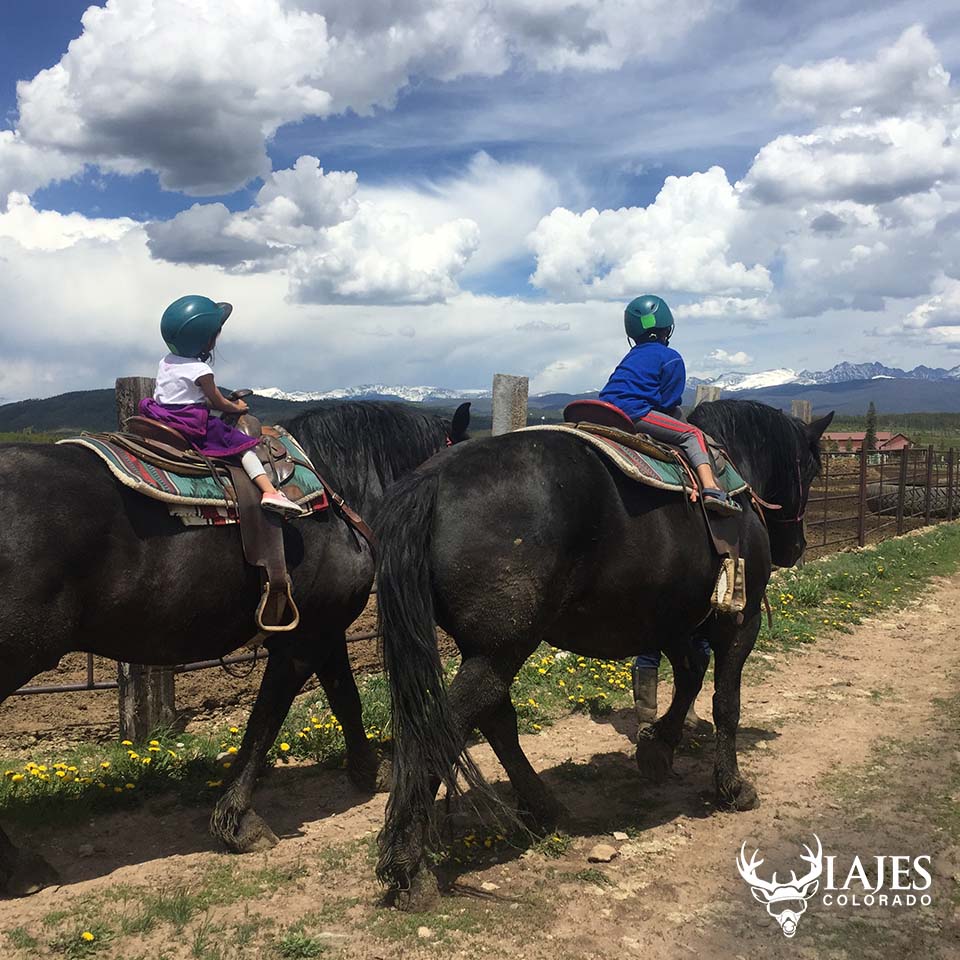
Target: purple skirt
(210, 435)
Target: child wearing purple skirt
(186, 392)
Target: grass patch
(126, 910)
(591, 875)
(19, 938)
(295, 944)
(839, 592)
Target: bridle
(801, 508)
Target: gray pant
(678, 433)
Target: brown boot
(693, 724)
(645, 695)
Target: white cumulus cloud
(679, 243)
(194, 89)
(739, 359)
(905, 75)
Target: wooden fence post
(146, 693)
(802, 410)
(706, 394)
(509, 403)
(928, 497)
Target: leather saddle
(607, 420)
(261, 533)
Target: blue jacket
(650, 377)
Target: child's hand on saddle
(239, 406)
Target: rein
(801, 512)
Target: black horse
(531, 537)
(86, 564)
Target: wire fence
(863, 497)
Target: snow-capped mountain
(842, 373)
(755, 381)
(372, 390)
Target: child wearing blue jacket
(648, 387)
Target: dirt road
(853, 738)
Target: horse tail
(428, 747)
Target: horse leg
(656, 744)
(233, 820)
(475, 692)
(22, 872)
(538, 806)
(732, 645)
(364, 767)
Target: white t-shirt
(177, 380)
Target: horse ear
(815, 430)
(461, 423)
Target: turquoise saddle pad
(178, 490)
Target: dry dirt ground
(853, 738)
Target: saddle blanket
(200, 501)
(646, 469)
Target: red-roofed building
(853, 441)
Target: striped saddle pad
(200, 500)
(664, 474)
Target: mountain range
(847, 388)
(841, 373)
(733, 381)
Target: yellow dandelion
(284, 746)
(105, 765)
(154, 743)
(146, 761)
(214, 783)
(88, 936)
(129, 786)
(17, 777)
(126, 743)
(231, 749)
(234, 729)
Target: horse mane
(764, 442)
(362, 441)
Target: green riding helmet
(647, 315)
(190, 323)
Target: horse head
(780, 457)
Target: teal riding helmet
(190, 323)
(647, 315)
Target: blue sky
(422, 192)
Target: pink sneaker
(280, 503)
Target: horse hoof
(544, 818)
(654, 759)
(384, 779)
(422, 894)
(739, 795)
(253, 835)
(372, 778)
(30, 875)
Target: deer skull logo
(785, 902)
